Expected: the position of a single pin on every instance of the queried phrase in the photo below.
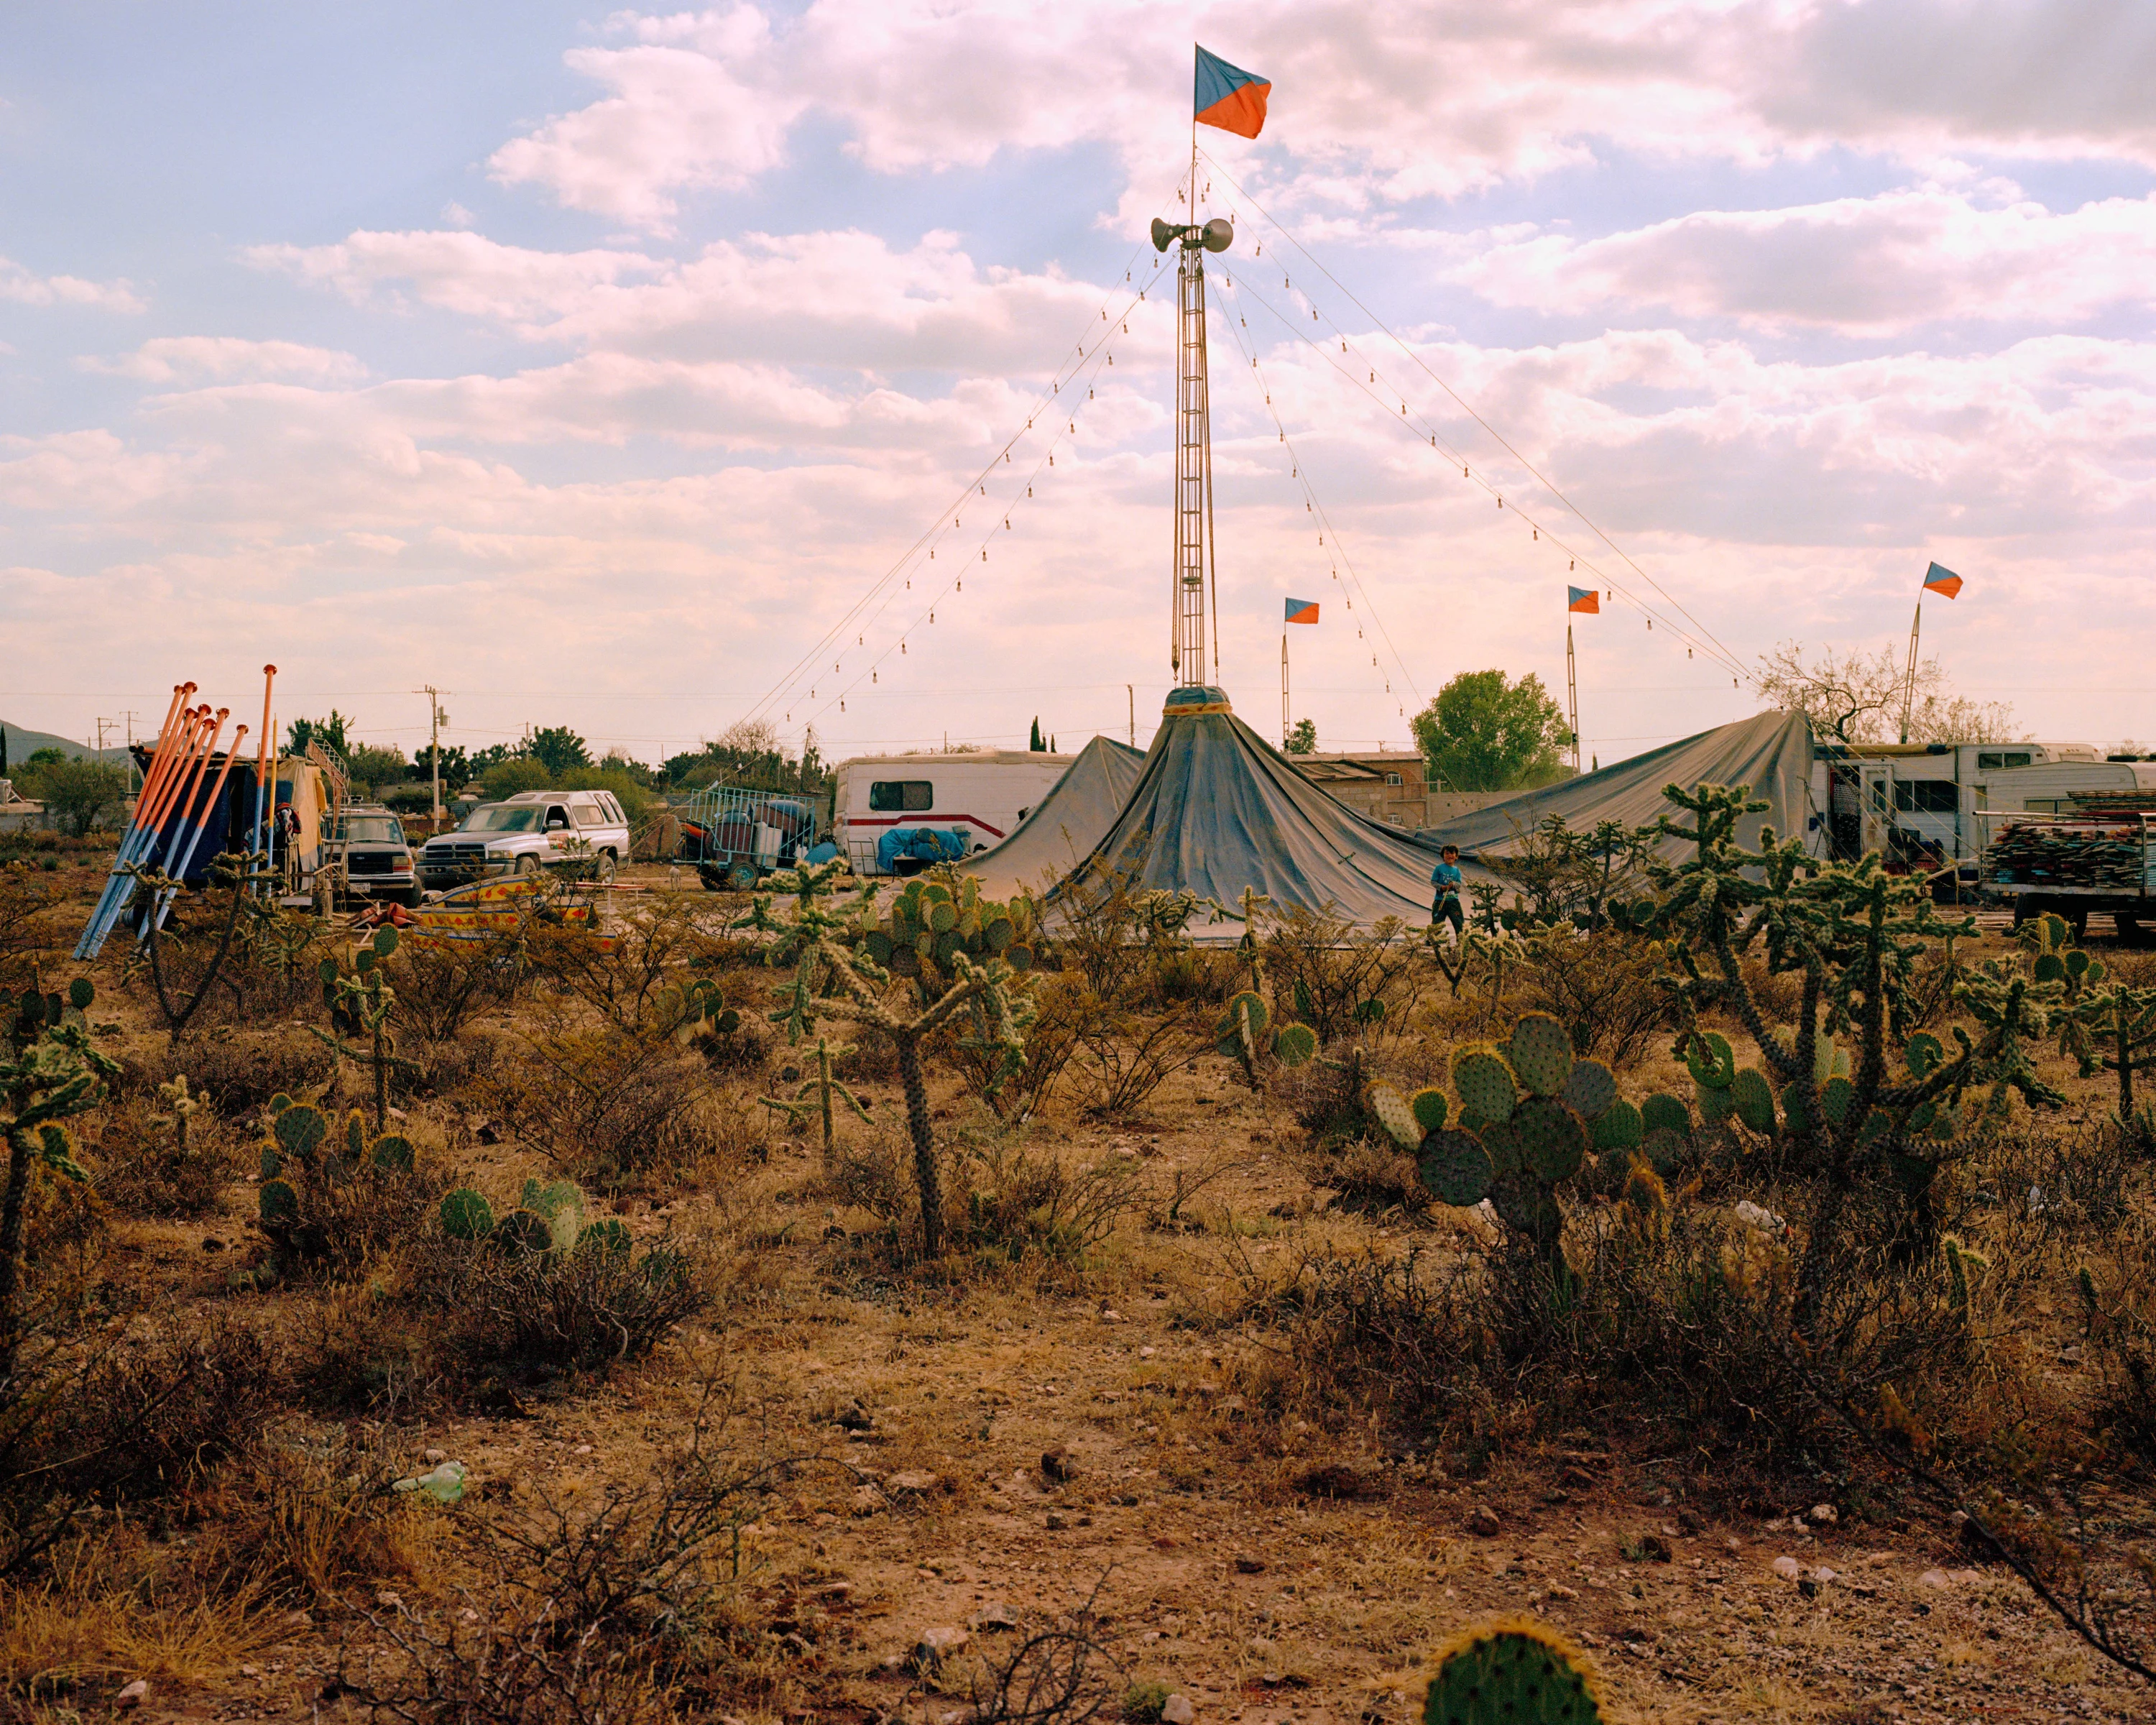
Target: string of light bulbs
(857, 616)
(1092, 362)
(1313, 505)
(1695, 638)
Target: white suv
(532, 830)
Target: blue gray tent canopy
(1062, 829)
(1217, 809)
(1771, 753)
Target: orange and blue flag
(1303, 610)
(1940, 579)
(1582, 598)
(1228, 97)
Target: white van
(969, 803)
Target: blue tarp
(921, 844)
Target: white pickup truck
(532, 830)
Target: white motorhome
(972, 800)
(1896, 798)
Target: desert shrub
(610, 1105)
(1673, 1330)
(509, 1312)
(1324, 971)
(355, 1347)
(442, 985)
(621, 978)
(448, 1068)
(24, 897)
(151, 1409)
(315, 1519)
(1022, 1203)
(165, 1155)
(1124, 1056)
(635, 1607)
(239, 1071)
(1601, 982)
(1371, 1174)
(1060, 1004)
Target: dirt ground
(991, 1454)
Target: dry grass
(1277, 1386)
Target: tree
(506, 779)
(1303, 739)
(1857, 697)
(375, 767)
(456, 770)
(558, 748)
(328, 732)
(1486, 733)
(1039, 745)
(79, 794)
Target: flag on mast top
(1302, 611)
(1582, 598)
(1228, 97)
(1942, 580)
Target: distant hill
(23, 743)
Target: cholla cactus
(837, 973)
(49, 1071)
(182, 1105)
(361, 1002)
(815, 1097)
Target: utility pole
(130, 715)
(436, 718)
(1132, 690)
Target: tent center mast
(1194, 571)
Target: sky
(646, 371)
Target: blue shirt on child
(1446, 878)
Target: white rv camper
(974, 800)
(1948, 798)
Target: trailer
(736, 837)
(2077, 866)
(896, 814)
(1934, 805)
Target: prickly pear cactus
(1296, 1045)
(1396, 1115)
(1754, 1099)
(1430, 1105)
(466, 1215)
(1619, 1128)
(322, 1195)
(1666, 1113)
(1515, 1672)
(1540, 1053)
(1590, 1090)
(1455, 1168)
(1484, 1084)
(1710, 1060)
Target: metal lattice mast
(1193, 467)
(1193, 448)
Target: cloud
(24, 288)
(458, 272)
(1384, 98)
(1861, 266)
(847, 299)
(192, 359)
(681, 117)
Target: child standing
(1445, 882)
